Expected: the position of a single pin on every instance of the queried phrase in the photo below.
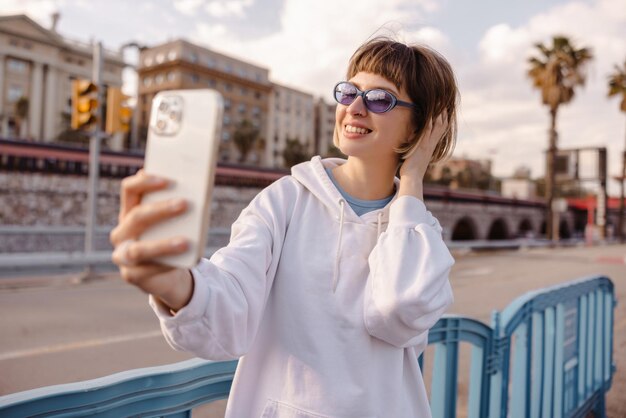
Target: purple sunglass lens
(345, 94)
(378, 101)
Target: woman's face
(365, 134)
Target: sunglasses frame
(394, 100)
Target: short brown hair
(425, 75)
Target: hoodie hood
(312, 175)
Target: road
(55, 330)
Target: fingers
(132, 253)
(134, 187)
(142, 217)
(141, 275)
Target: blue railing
(560, 339)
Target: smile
(357, 130)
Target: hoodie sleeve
(231, 289)
(408, 288)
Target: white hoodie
(329, 310)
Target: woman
(334, 274)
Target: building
(292, 117)
(37, 66)
(324, 126)
(245, 87)
(462, 173)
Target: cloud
(227, 8)
(501, 109)
(311, 49)
(187, 7)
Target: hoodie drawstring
(342, 203)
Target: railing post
(495, 369)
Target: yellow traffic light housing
(84, 104)
(119, 113)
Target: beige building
(245, 87)
(324, 126)
(292, 117)
(38, 64)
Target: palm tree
(617, 86)
(556, 73)
(295, 152)
(21, 113)
(245, 136)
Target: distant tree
(556, 73)
(617, 87)
(21, 114)
(245, 137)
(465, 178)
(294, 152)
(446, 176)
(69, 135)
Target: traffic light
(84, 104)
(119, 112)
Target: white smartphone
(182, 146)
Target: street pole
(620, 219)
(94, 165)
(551, 184)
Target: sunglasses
(375, 100)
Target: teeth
(354, 129)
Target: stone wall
(45, 200)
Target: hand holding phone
(183, 141)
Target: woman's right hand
(173, 286)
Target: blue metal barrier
(549, 354)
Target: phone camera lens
(163, 106)
(161, 124)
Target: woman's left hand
(415, 165)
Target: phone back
(183, 142)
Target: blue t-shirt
(359, 206)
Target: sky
(306, 44)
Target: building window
(17, 66)
(193, 57)
(256, 110)
(241, 72)
(225, 136)
(14, 93)
(160, 57)
(244, 91)
(158, 79)
(228, 87)
(258, 77)
(195, 78)
(147, 61)
(212, 83)
(257, 95)
(227, 104)
(147, 81)
(172, 55)
(226, 120)
(242, 107)
(228, 68)
(210, 62)
(171, 76)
